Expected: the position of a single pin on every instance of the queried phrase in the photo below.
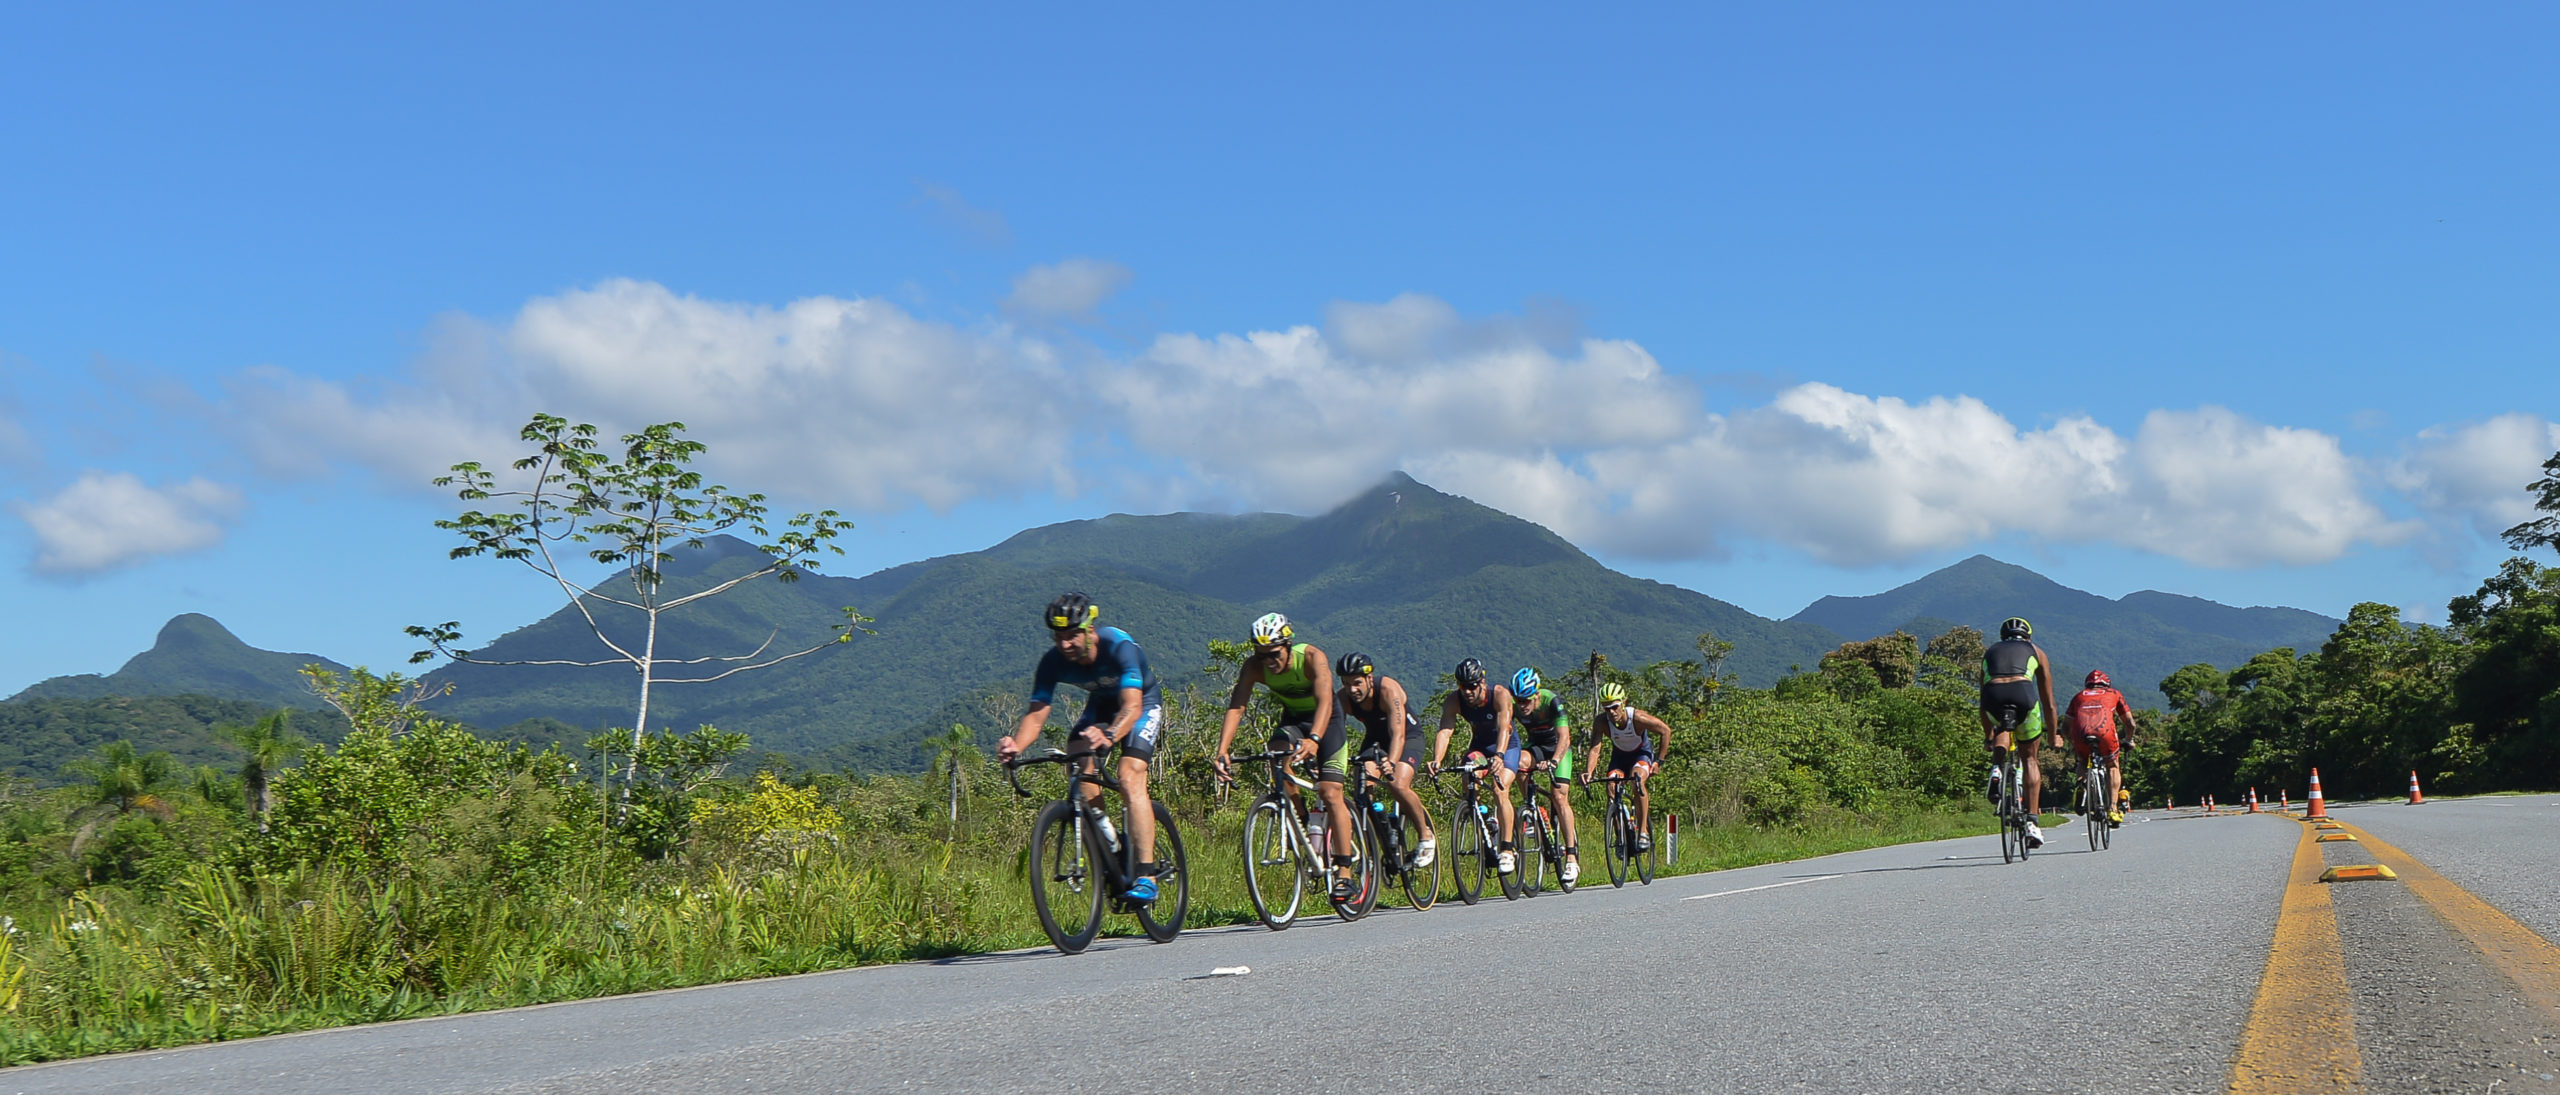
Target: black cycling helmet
(1354, 664)
(2016, 627)
(1071, 611)
(1470, 673)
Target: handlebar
(1053, 756)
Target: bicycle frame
(1118, 869)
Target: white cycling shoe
(1572, 870)
(2035, 836)
(1427, 854)
(1502, 862)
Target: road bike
(1632, 848)
(1078, 861)
(1391, 835)
(2093, 799)
(1540, 847)
(1474, 835)
(2013, 806)
(1282, 858)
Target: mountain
(2138, 639)
(194, 655)
(1416, 578)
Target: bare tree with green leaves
(629, 513)
(2543, 531)
(270, 744)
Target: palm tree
(953, 751)
(125, 778)
(270, 744)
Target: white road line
(1771, 886)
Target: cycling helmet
(1271, 628)
(1612, 692)
(2098, 679)
(1470, 673)
(2016, 628)
(1070, 611)
(1524, 682)
(1354, 664)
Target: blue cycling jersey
(1117, 664)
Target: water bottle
(1315, 830)
(1110, 837)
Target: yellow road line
(2524, 956)
(2302, 1032)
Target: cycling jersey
(2092, 717)
(2013, 658)
(1625, 735)
(1540, 730)
(1374, 719)
(2009, 658)
(1486, 720)
(1295, 684)
(1117, 663)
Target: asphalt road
(1921, 968)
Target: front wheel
(1619, 843)
(1066, 890)
(1467, 853)
(1273, 875)
(1364, 877)
(1421, 884)
(1649, 861)
(1530, 857)
(1162, 918)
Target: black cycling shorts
(1333, 747)
(1623, 761)
(1141, 742)
(1412, 745)
(2018, 696)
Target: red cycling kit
(2092, 717)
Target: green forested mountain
(38, 737)
(194, 656)
(1417, 578)
(2139, 640)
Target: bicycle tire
(1529, 853)
(2093, 793)
(1467, 853)
(1421, 884)
(1173, 882)
(1274, 863)
(2012, 836)
(1619, 843)
(1649, 861)
(1063, 881)
(1364, 843)
(1558, 854)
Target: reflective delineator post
(2318, 807)
(1674, 853)
(2415, 797)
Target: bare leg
(1142, 815)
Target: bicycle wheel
(1620, 841)
(1529, 858)
(2012, 837)
(1364, 895)
(2093, 808)
(1066, 890)
(1421, 884)
(1559, 851)
(1468, 854)
(1162, 918)
(1649, 861)
(1274, 875)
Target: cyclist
(2017, 676)
(1122, 707)
(1631, 734)
(1547, 732)
(2093, 722)
(1379, 703)
(1302, 681)
(1486, 707)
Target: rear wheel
(1649, 861)
(1273, 876)
(1162, 918)
(1467, 853)
(1066, 890)
(2093, 806)
(1364, 874)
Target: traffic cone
(2317, 808)
(2284, 801)
(2415, 798)
(2208, 804)
(2253, 800)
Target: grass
(221, 957)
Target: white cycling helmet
(1271, 628)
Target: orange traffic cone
(2253, 800)
(2284, 801)
(2208, 804)
(2415, 798)
(2318, 809)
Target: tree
(1957, 654)
(125, 778)
(1894, 659)
(632, 512)
(954, 752)
(2542, 531)
(270, 744)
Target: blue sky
(1771, 303)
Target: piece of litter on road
(1230, 971)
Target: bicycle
(2093, 801)
(2013, 806)
(1538, 848)
(1475, 836)
(1392, 836)
(1631, 848)
(1281, 858)
(1074, 867)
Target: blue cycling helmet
(1524, 682)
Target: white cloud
(108, 520)
(853, 403)
(2478, 472)
(1066, 290)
